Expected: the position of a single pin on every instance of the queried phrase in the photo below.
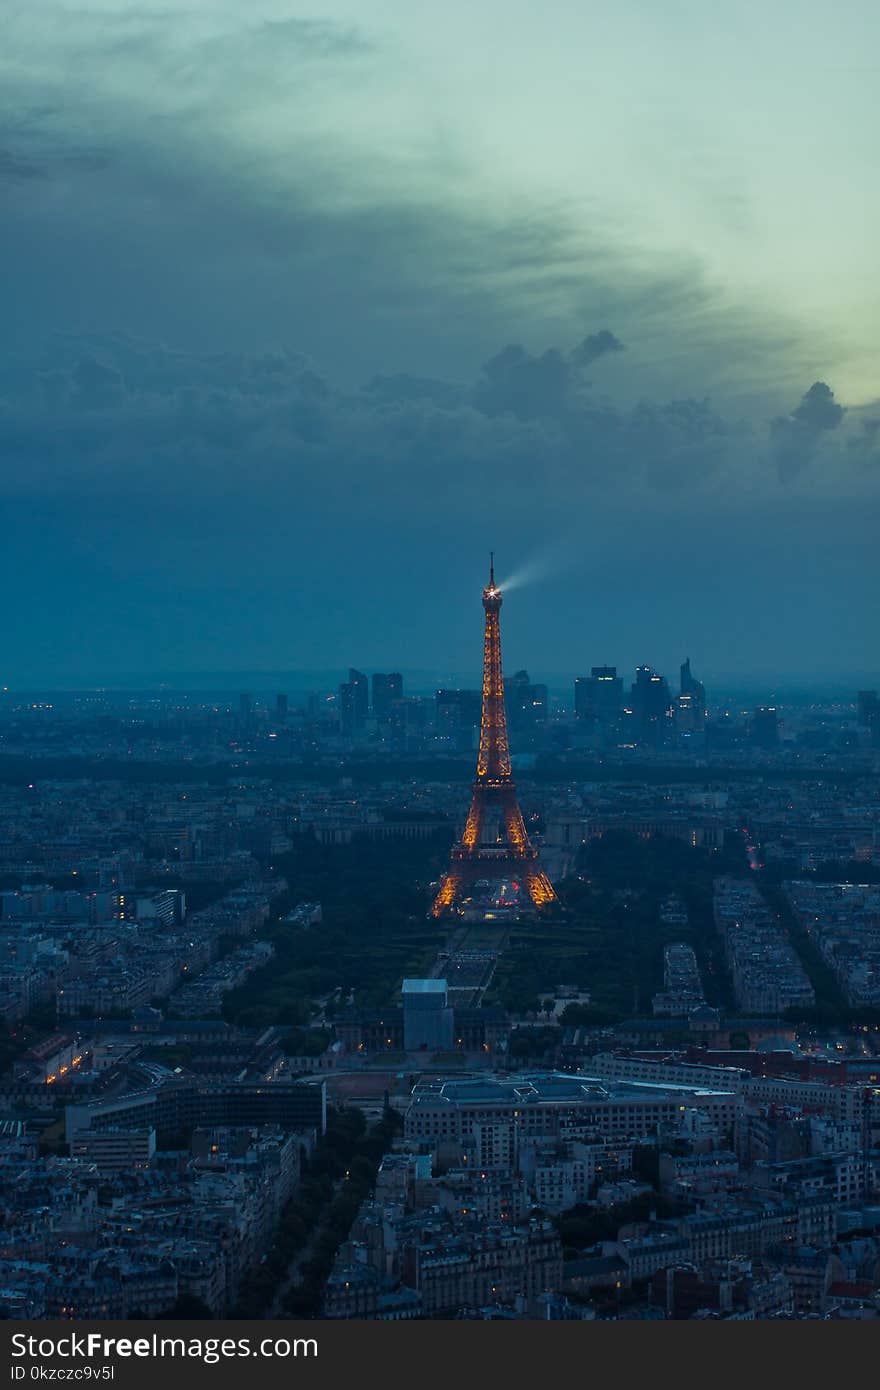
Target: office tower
(539, 703)
(361, 687)
(868, 707)
(582, 705)
(493, 870)
(386, 689)
(347, 708)
(245, 707)
(526, 703)
(447, 712)
(651, 705)
(457, 711)
(690, 707)
(687, 684)
(765, 727)
(411, 713)
(354, 702)
(281, 707)
(689, 716)
(516, 700)
(599, 696)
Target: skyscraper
(526, 703)
(690, 707)
(354, 702)
(457, 715)
(599, 696)
(765, 727)
(361, 687)
(386, 689)
(688, 684)
(651, 705)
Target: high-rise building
(526, 703)
(411, 713)
(361, 695)
(447, 712)
(651, 705)
(690, 714)
(354, 702)
(765, 727)
(386, 689)
(281, 707)
(582, 708)
(345, 708)
(457, 711)
(539, 703)
(688, 684)
(868, 707)
(690, 707)
(245, 707)
(599, 696)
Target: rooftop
(548, 1087)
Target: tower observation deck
(493, 869)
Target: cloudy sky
(307, 306)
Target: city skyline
(535, 580)
(265, 685)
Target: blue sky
(306, 307)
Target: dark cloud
(399, 388)
(207, 195)
(594, 347)
(517, 383)
(204, 177)
(530, 387)
(14, 168)
(863, 446)
(95, 385)
(192, 506)
(125, 413)
(794, 437)
(818, 410)
(35, 145)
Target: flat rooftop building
(550, 1104)
(428, 1021)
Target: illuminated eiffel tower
(493, 869)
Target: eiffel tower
(493, 869)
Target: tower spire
(494, 850)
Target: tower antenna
(491, 569)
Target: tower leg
(514, 824)
(539, 888)
(473, 831)
(450, 887)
